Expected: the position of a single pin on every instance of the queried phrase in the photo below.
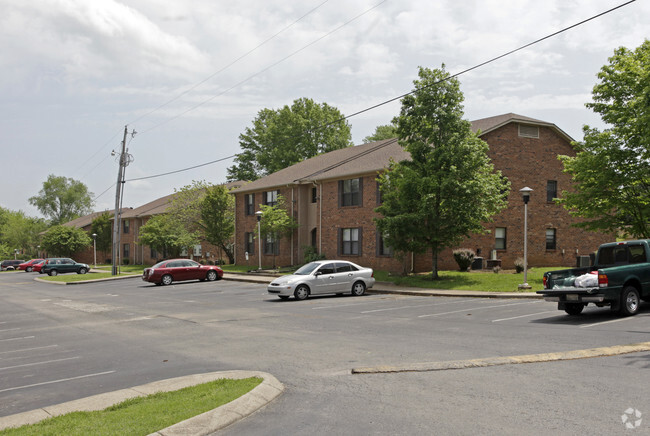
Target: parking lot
(59, 343)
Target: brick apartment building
(131, 251)
(333, 196)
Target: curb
(205, 423)
(508, 360)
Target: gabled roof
(87, 220)
(369, 158)
(489, 124)
(161, 204)
(360, 159)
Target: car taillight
(603, 281)
(545, 278)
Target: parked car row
(314, 278)
(10, 264)
(51, 266)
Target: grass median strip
(508, 360)
(143, 415)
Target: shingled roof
(368, 158)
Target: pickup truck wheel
(574, 308)
(629, 301)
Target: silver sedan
(323, 277)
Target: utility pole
(124, 160)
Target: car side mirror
(318, 273)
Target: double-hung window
(249, 204)
(551, 241)
(500, 238)
(551, 190)
(350, 239)
(271, 198)
(350, 192)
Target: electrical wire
(411, 92)
(229, 65)
(198, 105)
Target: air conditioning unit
(582, 261)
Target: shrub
(202, 261)
(496, 269)
(519, 265)
(311, 254)
(464, 258)
(125, 261)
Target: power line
(196, 106)
(229, 65)
(408, 93)
(181, 170)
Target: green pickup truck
(620, 278)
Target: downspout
(293, 231)
(234, 245)
(320, 220)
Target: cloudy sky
(190, 76)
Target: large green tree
(102, 226)
(166, 235)
(62, 199)
(611, 169)
(65, 241)
(276, 223)
(449, 188)
(282, 137)
(386, 131)
(208, 211)
(19, 231)
(218, 219)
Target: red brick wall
(524, 161)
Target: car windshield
(159, 264)
(307, 269)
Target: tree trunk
(434, 268)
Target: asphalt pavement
(227, 414)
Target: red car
(37, 266)
(177, 270)
(29, 265)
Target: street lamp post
(258, 214)
(95, 249)
(525, 193)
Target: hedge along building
(333, 196)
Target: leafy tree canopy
(276, 221)
(611, 169)
(283, 137)
(449, 188)
(19, 231)
(166, 235)
(386, 131)
(65, 241)
(103, 228)
(62, 199)
(218, 218)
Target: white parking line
(605, 322)
(10, 330)
(524, 316)
(415, 306)
(475, 308)
(40, 363)
(56, 381)
(17, 339)
(28, 349)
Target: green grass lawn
(142, 415)
(504, 281)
